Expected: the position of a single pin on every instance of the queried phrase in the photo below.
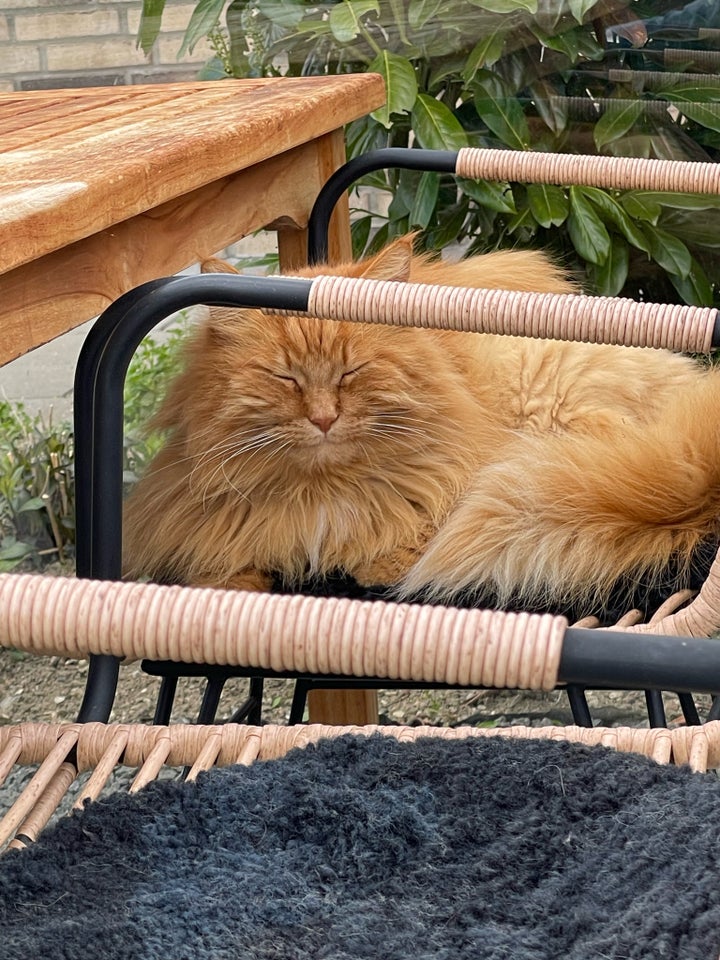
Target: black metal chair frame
(619, 661)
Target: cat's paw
(252, 580)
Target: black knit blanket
(489, 849)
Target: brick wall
(46, 44)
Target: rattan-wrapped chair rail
(523, 166)
(301, 635)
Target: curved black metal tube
(637, 661)
(99, 382)
(406, 158)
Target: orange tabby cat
(434, 461)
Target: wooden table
(104, 188)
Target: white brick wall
(69, 43)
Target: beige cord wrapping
(152, 748)
(568, 169)
(540, 315)
(55, 615)
(700, 618)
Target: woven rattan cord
(566, 169)
(700, 618)
(185, 745)
(51, 615)
(656, 80)
(684, 329)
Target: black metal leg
(655, 708)
(689, 709)
(257, 688)
(211, 699)
(299, 700)
(165, 700)
(579, 706)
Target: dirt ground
(50, 689)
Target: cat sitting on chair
(439, 464)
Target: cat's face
(319, 392)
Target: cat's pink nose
(324, 422)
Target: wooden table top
(74, 162)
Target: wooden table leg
(343, 706)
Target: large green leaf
(609, 278)
(671, 253)
(641, 206)
(435, 125)
(707, 114)
(695, 288)
(204, 17)
(612, 212)
(401, 86)
(617, 119)
(587, 232)
(485, 53)
(677, 201)
(150, 21)
(426, 198)
(494, 196)
(549, 204)
(502, 112)
(686, 91)
(345, 18)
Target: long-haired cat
(436, 463)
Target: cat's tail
(565, 517)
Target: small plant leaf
(401, 86)
(502, 113)
(609, 277)
(671, 253)
(494, 196)
(420, 11)
(506, 6)
(587, 232)
(641, 206)
(578, 8)
(485, 53)
(617, 119)
(150, 22)
(286, 13)
(435, 126)
(706, 114)
(695, 288)
(549, 204)
(614, 213)
(426, 198)
(204, 17)
(345, 18)
(34, 503)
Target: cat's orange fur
(432, 460)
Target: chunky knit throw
(490, 849)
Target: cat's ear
(212, 265)
(392, 263)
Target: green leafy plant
(548, 75)
(37, 483)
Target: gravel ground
(50, 689)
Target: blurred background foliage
(633, 78)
